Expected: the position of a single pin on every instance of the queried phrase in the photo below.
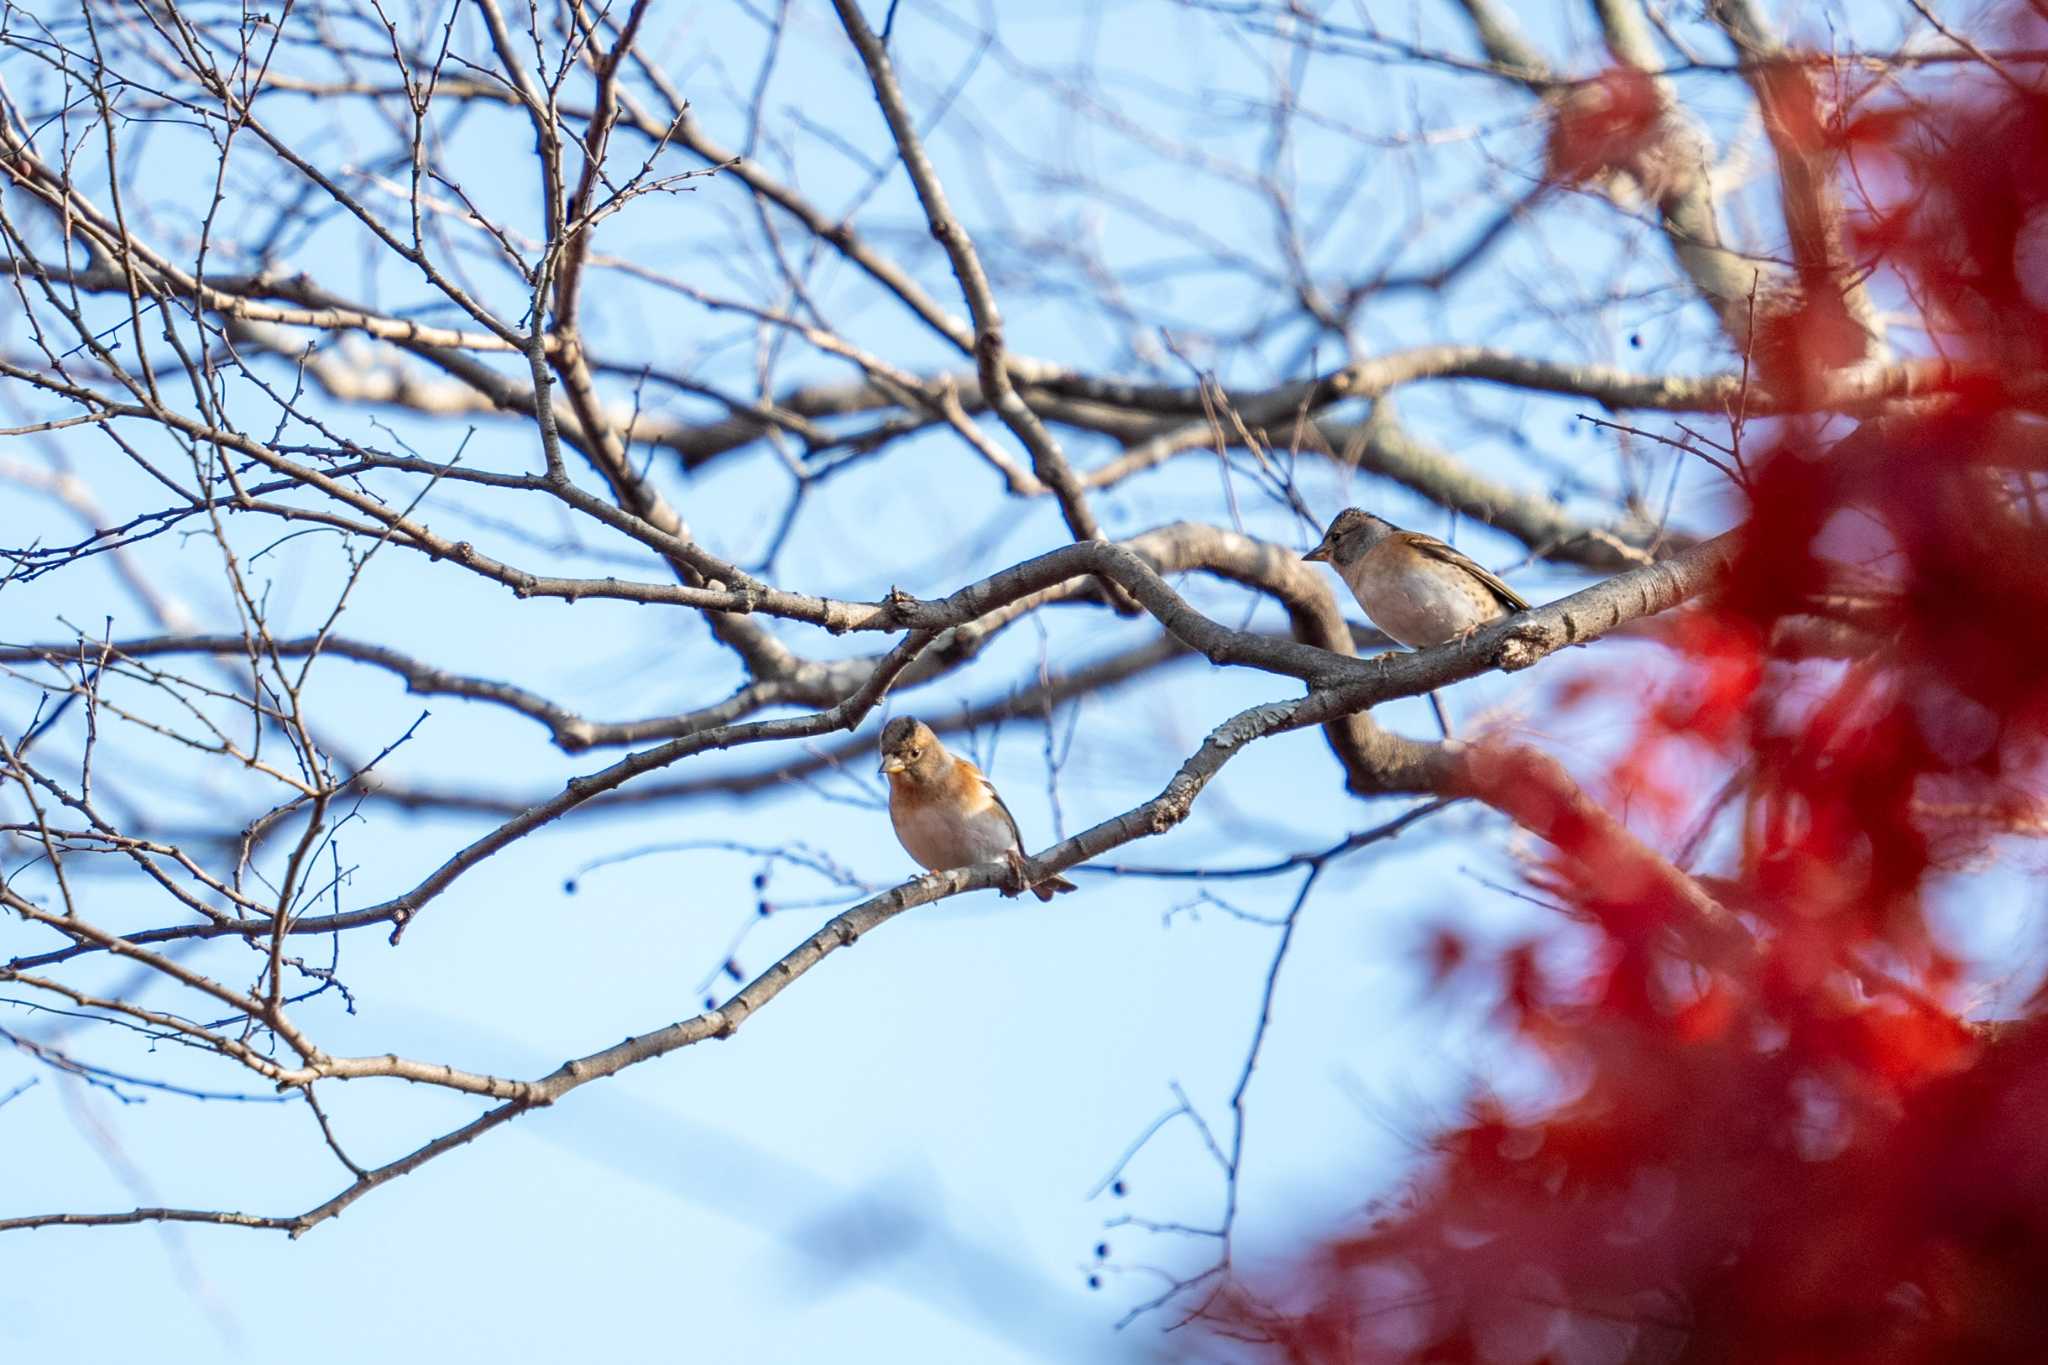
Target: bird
(945, 812)
(1417, 589)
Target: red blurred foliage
(1793, 1152)
(1606, 123)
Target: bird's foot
(1014, 884)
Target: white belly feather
(1421, 609)
(942, 837)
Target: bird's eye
(912, 754)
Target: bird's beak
(892, 764)
(1319, 555)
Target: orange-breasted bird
(946, 813)
(1417, 589)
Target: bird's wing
(1436, 549)
(974, 774)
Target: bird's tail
(1051, 887)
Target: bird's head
(1351, 534)
(910, 748)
